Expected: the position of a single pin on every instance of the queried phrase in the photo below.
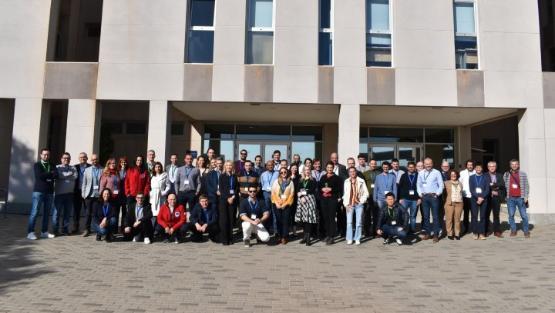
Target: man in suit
(138, 221)
(203, 219)
(78, 201)
(90, 190)
(498, 192)
(171, 169)
(211, 181)
(341, 171)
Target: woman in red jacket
(137, 181)
(172, 220)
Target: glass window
(382, 153)
(378, 33)
(325, 13)
(136, 128)
(438, 153)
(200, 47)
(466, 43)
(226, 149)
(202, 12)
(307, 133)
(464, 18)
(260, 48)
(396, 134)
(261, 13)
(215, 131)
(439, 135)
(304, 149)
(269, 132)
(325, 49)
(466, 52)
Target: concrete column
(532, 154)
(463, 149)
(159, 124)
(28, 137)
(196, 137)
(348, 132)
(83, 127)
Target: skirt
(307, 211)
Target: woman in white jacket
(354, 196)
(159, 188)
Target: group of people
(214, 197)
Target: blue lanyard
(188, 172)
(426, 176)
(105, 209)
(253, 209)
(231, 181)
(283, 186)
(411, 179)
(115, 182)
(476, 180)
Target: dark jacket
(246, 209)
(130, 218)
(342, 171)
(476, 182)
(498, 186)
(400, 216)
(225, 184)
(79, 178)
(405, 186)
(211, 182)
(98, 211)
(334, 182)
(197, 215)
(44, 177)
(311, 186)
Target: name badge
(186, 182)
(95, 187)
(231, 192)
(49, 180)
(411, 192)
(478, 190)
(67, 181)
(283, 197)
(303, 192)
(393, 222)
(424, 184)
(491, 184)
(372, 186)
(116, 192)
(253, 217)
(515, 186)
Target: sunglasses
(252, 191)
(283, 172)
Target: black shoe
(98, 238)
(108, 238)
(458, 237)
(302, 240)
(329, 241)
(247, 243)
(451, 237)
(307, 239)
(166, 240)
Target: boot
(307, 239)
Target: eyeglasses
(252, 191)
(283, 172)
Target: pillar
(83, 127)
(348, 132)
(159, 129)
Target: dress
(307, 211)
(159, 188)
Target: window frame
(259, 30)
(467, 35)
(326, 30)
(191, 28)
(369, 32)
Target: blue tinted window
(202, 12)
(200, 46)
(325, 13)
(325, 49)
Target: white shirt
(397, 174)
(464, 178)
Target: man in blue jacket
(43, 194)
(203, 219)
(383, 184)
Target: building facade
(452, 79)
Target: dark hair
(468, 161)
(44, 149)
(386, 163)
(121, 159)
(395, 160)
(258, 156)
(352, 167)
(316, 160)
(202, 197)
(478, 164)
(276, 151)
(161, 166)
(66, 153)
(249, 161)
(330, 163)
(411, 163)
(362, 156)
(390, 194)
(456, 173)
(307, 159)
(109, 192)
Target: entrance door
(381, 152)
(266, 150)
(408, 153)
(403, 152)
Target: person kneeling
(138, 221)
(203, 219)
(172, 220)
(104, 216)
(393, 221)
(253, 214)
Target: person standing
(430, 187)
(228, 191)
(78, 201)
(445, 170)
(138, 222)
(384, 183)
(283, 195)
(246, 178)
(150, 156)
(395, 170)
(159, 189)
(355, 195)
(307, 211)
(211, 183)
(517, 196)
(110, 180)
(121, 203)
(90, 191)
(43, 195)
(479, 189)
(266, 181)
(498, 192)
(66, 175)
(338, 168)
(330, 189)
(453, 205)
(137, 181)
(408, 194)
(258, 166)
(187, 182)
(362, 166)
(317, 172)
(171, 169)
(276, 157)
(239, 165)
(464, 178)
(371, 209)
(253, 213)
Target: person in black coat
(480, 190)
(498, 192)
(229, 198)
(203, 219)
(211, 182)
(393, 221)
(138, 221)
(104, 218)
(330, 190)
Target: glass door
(266, 150)
(403, 152)
(253, 149)
(407, 153)
(381, 152)
(269, 149)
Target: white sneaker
(136, 238)
(357, 242)
(349, 242)
(31, 236)
(399, 241)
(147, 241)
(46, 235)
(176, 241)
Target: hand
(127, 230)
(171, 231)
(136, 224)
(256, 221)
(218, 193)
(197, 193)
(495, 193)
(402, 202)
(204, 227)
(419, 201)
(198, 227)
(167, 230)
(326, 189)
(230, 199)
(303, 200)
(379, 232)
(103, 223)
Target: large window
(466, 43)
(378, 33)
(325, 38)
(200, 36)
(260, 32)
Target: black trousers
(494, 206)
(329, 210)
(341, 220)
(211, 230)
(78, 203)
(187, 199)
(89, 203)
(227, 220)
(145, 230)
(178, 234)
(370, 217)
(467, 207)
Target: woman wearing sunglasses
(283, 195)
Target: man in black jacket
(138, 221)
(203, 219)
(393, 221)
(43, 194)
(497, 194)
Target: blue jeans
(271, 223)
(357, 209)
(63, 206)
(512, 204)
(412, 207)
(44, 199)
(430, 202)
(112, 223)
(393, 231)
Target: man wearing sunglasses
(253, 214)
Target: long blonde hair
(228, 162)
(107, 171)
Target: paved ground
(75, 274)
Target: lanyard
(283, 186)
(478, 182)
(270, 176)
(411, 179)
(105, 208)
(254, 208)
(231, 182)
(115, 182)
(188, 172)
(45, 166)
(305, 183)
(139, 211)
(391, 213)
(426, 176)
